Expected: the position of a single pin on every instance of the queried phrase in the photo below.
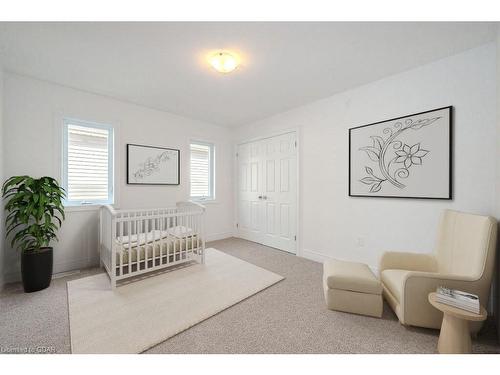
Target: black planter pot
(36, 269)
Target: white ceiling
(162, 65)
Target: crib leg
(113, 283)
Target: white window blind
(202, 171)
(88, 166)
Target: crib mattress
(169, 247)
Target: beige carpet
(289, 317)
(142, 314)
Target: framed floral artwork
(404, 157)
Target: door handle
(264, 197)
(260, 197)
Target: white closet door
(267, 191)
(249, 186)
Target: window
(202, 171)
(87, 163)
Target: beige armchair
(463, 259)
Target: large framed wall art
(404, 157)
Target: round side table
(455, 334)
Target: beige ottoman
(352, 287)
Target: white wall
(330, 221)
(2, 226)
(497, 284)
(32, 128)
(498, 129)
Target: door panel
(285, 220)
(254, 177)
(271, 218)
(255, 215)
(270, 176)
(243, 172)
(267, 193)
(284, 175)
(245, 214)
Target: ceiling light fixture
(224, 62)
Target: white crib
(135, 242)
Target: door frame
(265, 135)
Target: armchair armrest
(439, 277)
(408, 261)
(418, 285)
(429, 281)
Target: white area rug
(142, 314)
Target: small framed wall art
(149, 165)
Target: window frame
(211, 171)
(111, 180)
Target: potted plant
(35, 212)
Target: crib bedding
(170, 247)
(165, 244)
(179, 231)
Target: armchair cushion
(394, 281)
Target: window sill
(87, 207)
(205, 202)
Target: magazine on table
(459, 299)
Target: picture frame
(404, 157)
(152, 165)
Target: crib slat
(171, 244)
(190, 236)
(146, 230)
(198, 234)
(155, 241)
(182, 244)
(183, 239)
(129, 231)
(175, 245)
(189, 225)
(160, 223)
(120, 268)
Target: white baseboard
(12, 277)
(219, 236)
(60, 267)
(321, 257)
(314, 255)
(75, 264)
